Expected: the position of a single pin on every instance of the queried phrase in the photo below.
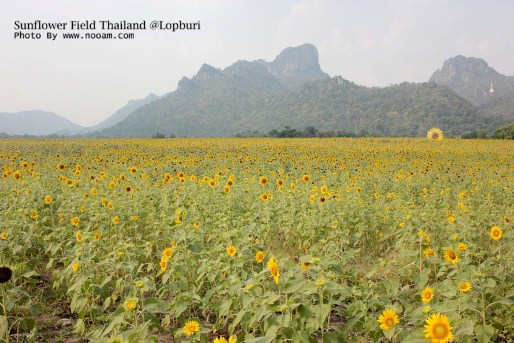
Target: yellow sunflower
(465, 287)
(259, 256)
(451, 256)
(264, 197)
(275, 272)
(75, 221)
(263, 180)
(231, 250)
(438, 328)
(429, 252)
(427, 295)
(191, 327)
(435, 134)
(168, 253)
(462, 247)
(164, 263)
(388, 319)
(496, 233)
(131, 304)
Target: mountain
(121, 114)
(472, 78)
(296, 66)
(293, 91)
(207, 103)
(37, 122)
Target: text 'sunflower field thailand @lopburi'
(257, 240)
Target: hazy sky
(370, 42)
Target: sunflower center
(389, 322)
(440, 331)
(435, 135)
(452, 255)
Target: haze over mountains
(293, 91)
(36, 122)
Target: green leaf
(484, 333)
(179, 308)
(156, 305)
(463, 327)
(224, 308)
(79, 327)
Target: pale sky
(369, 42)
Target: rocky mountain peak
(297, 65)
(473, 79)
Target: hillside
(37, 123)
(293, 91)
(121, 114)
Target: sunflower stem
(5, 315)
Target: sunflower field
(257, 240)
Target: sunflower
(429, 252)
(130, 304)
(164, 263)
(388, 319)
(4, 235)
(451, 256)
(438, 328)
(191, 327)
(306, 178)
(128, 189)
(275, 272)
(462, 247)
(465, 287)
(167, 253)
(75, 221)
(259, 256)
(427, 295)
(5, 274)
(96, 235)
(263, 180)
(75, 266)
(226, 188)
(293, 187)
(48, 200)
(17, 175)
(264, 197)
(435, 134)
(78, 236)
(496, 233)
(34, 214)
(116, 220)
(231, 250)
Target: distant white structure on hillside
(491, 90)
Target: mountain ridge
(35, 122)
(292, 90)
